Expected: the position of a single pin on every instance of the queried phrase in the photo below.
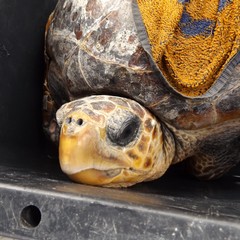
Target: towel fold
(192, 40)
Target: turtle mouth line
(111, 177)
(117, 171)
(112, 172)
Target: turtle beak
(84, 158)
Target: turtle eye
(123, 133)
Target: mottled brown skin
(92, 150)
(92, 48)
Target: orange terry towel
(192, 40)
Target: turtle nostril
(69, 120)
(79, 121)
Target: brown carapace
(123, 119)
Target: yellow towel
(192, 40)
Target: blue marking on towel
(184, 1)
(192, 27)
(222, 4)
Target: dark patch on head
(148, 125)
(148, 162)
(154, 133)
(142, 147)
(91, 114)
(75, 104)
(144, 139)
(132, 155)
(119, 101)
(138, 110)
(112, 157)
(103, 105)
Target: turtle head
(111, 141)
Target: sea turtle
(125, 115)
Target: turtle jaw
(112, 142)
(85, 160)
(119, 177)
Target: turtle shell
(101, 47)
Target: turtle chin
(107, 178)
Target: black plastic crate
(37, 201)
